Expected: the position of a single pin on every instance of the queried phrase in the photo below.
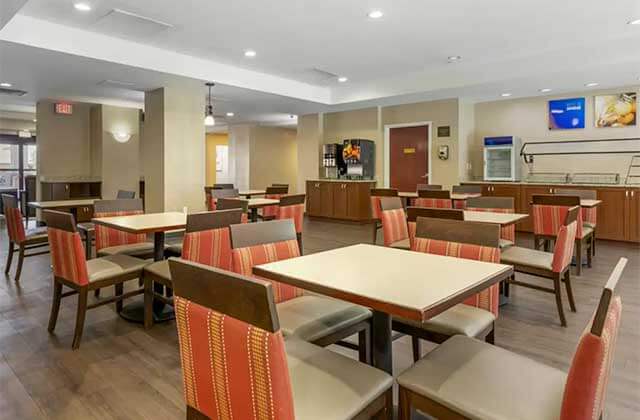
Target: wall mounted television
(567, 114)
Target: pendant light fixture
(209, 121)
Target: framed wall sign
(444, 131)
(566, 114)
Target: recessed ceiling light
(545, 90)
(83, 7)
(292, 116)
(506, 95)
(634, 22)
(454, 58)
(230, 114)
(342, 79)
(5, 84)
(249, 53)
(34, 120)
(591, 84)
(375, 14)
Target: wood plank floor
(124, 372)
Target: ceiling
(506, 46)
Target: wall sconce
(121, 136)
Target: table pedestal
(381, 354)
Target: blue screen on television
(566, 114)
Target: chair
(394, 223)
(207, 240)
(317, 319)
(467, 379)
(281, 185)
(292, 207)
(414, 212)
(589, 214)
(547, 219)
(376, 209)
(497, 205)
(423, 187)
(111, 241)
(71, 269)
(554, 266)
(464, 189)
(274, 193)
(236, 364)
(477, 315)
(223, 186)
(212, 196)
(25, 240)
(233, 204)
(433, 198)
(122, 194)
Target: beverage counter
(340, 199)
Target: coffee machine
(332, 161)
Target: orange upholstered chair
(548, 213)
(317, 319)
(236, 364)
(467, 379)
(434, 199)
(235, 203)
(464, 189)
(476, 317)
(275, 193)
(207, 240)
(214, 194)
(376, 208)
(497, 205)
(71, 269)
(394, 223)
(414, 212)
(589, 214)
(111, 241)
(554, 266)
(24, 239)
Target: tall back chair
(394, 223)
(123, 194)
(464, 189)
(497, 205)
(275, 193)
(111, 241)
(235, 203)
(223, 186)
(215, 194)
(24, 239)
(292, 207)
(446, 384)
(426, 187)
(71, 269)
(235, 364)
(376, 209)
(414, 212)
(589, 214)
(548, 213)
(434, 199)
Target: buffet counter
(340, 199)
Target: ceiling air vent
(126, 24)
(12, 92)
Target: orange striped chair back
(433, 199)
(292, 207)
(376, 196)
(394, 220)
(549, 212)
(496, 205)
(107, 237)
(233, 358)
(589, 214)
(414, 212)
(274, 193)
(565, 242)
(260, 243)
(13, 217)
(67, 253)
(460, 239)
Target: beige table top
(502, 219)
(255, 203)
(454, 196)
(408, 284)
(62, 203)
(145, 223)
(247, 193)
(590, 203)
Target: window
(17, 159)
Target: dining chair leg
(7, 266)
(299, 238)
(20, 261)
(387, 411)
(96, 293)
(364, 346)
(148, 303)
(55, 305)
(404, 404)
(80, 316)
(593, 243)
(567, 284)
(578, 257)
(416, 348)
(558, 293)
(119, 290)
(375, 232)
(491, 337)
(547, 245)
(590, 252)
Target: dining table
(408, 195)
(391, 282)
(251, 193)
(502, 219)
(257, 203)
(156, 224)
(71, 205)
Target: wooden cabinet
(611, 220)
(633, 215)
(339, 200)
(55, 191)
(84, 214)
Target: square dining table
(251, 193)
(502, 219)
(151, 223)
(392, 282)
(256, 203)
(408, 195)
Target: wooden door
(340, 200)
(326, 199)
(314, 199)
(633, 216)
(408, 157)
(611, 220)
(525, 205)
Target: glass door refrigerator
(501, 158)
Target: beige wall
(309, 138)
(213, 140)
(120, 162)
(527, 118)
(273, 157)
(152, 150)
(12, 126)
(239, 155)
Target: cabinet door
(359, 203)
(487, 190)
(633, 216)
(611, 217)
(326, 199)
(84, 214)
(314, 199)
(341, 200)
(525, 205)
(60, 191)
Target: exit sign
(64, 108)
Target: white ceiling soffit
(94, 45)
(8, 9)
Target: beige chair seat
(459, 319)
(586, 230)
(517, 255)
(113, 265)
(311, 317)
(482, 381)
(159, 269)
(590, 225)
(505, 243)
(135, 250)
(36, 235)
(329, 386)
(403, 244)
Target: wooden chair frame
(584, 195)
(376, 223)
(294, 200)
